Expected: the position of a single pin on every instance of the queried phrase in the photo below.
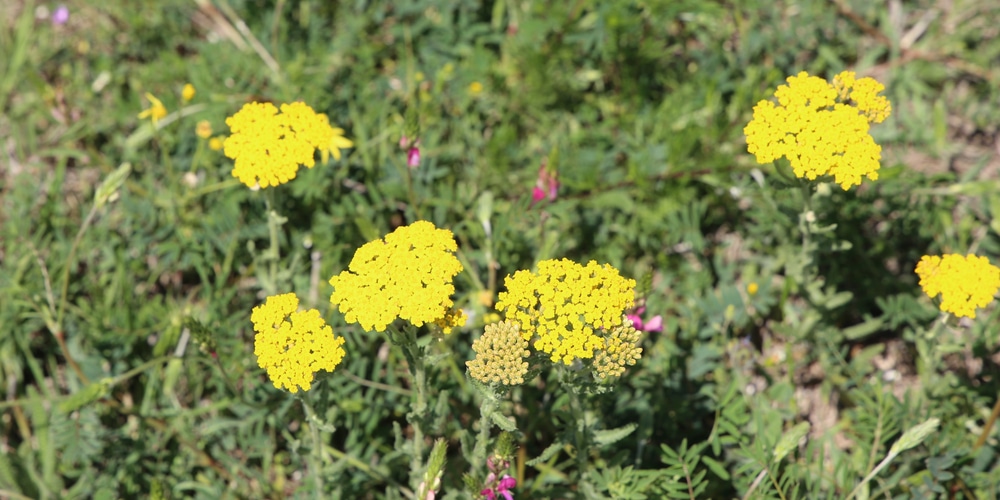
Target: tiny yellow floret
(293, 345)
(407, 275)
(964, 282)
(187, 93)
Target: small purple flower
(502, 487)
(60, 16)
(547, 185)
(413, 157)
(506, 484)
(655, 324)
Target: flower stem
(988, 427)
(486, 409)
(407, 340)
(273, 253)
(579, 432)
(316, 453)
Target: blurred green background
(638, 106)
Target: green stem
(407, 340)
(316, 453)
(804, 222)
(411, 192)
(871, 475)
(579, 432)
(486, 409)
(988, 427)
(273, 253)
(57, 326)
(777, 487)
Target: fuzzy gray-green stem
(579, 432)
(407, 340)
(316, 453)
(486, 409)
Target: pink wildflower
(60, 16)
(502, 487)
(547, 186)
(655, 324)
(413, 157)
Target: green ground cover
(788, 349)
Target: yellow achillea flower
(406, 275)
(621, 349)
(187, 93)
(268, 146)
(293, 345)
(156, 110)
(964, 282)
(565, 305)
(500, 355)
(818, 134)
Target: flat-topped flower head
(964, 282)
(269, 146)
(293, 345)
(500, 355)
(567, 308)
(822, 128)
(406, 275)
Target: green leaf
(111, 184)
(610, 436)
(838, 300)
(503, 422)
(790, 440)
(546, 454)
(863, 329)
(914, 436)
(717, 468)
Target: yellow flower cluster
(818, 134)
(452, 318)
(407, 275)
(268, 146)
(500, 355)
(864, 93)
(293, 345)
(565, 304)
(964, 282)
(621, 349)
